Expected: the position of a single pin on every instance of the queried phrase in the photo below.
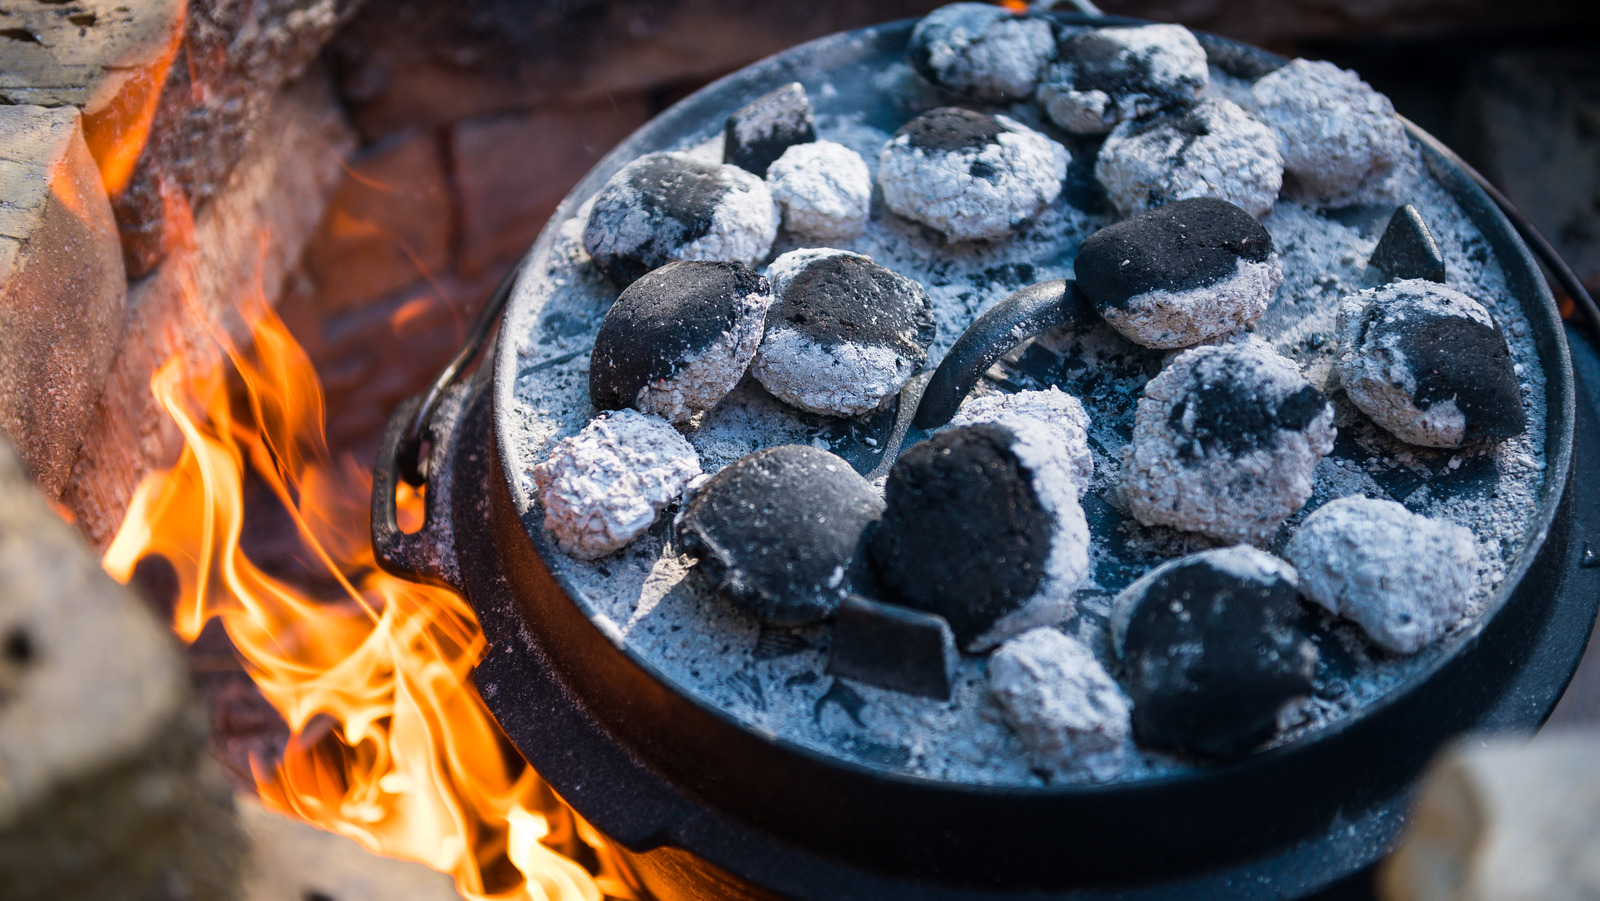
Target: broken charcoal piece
(1225, 442)
(1404, 578)
(1407, 249)
(679, 339)
(1211, 651)
(893, 647)
(1070, 714)
(1211, 149)
(1180, 274)
(765, 127)
(1104, 76)
(844, 334)
(969, 175)
(982, 52)
(1428, 364)
(983, 526)
(669, 206)
(776, 532)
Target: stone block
(291, 861)
(388, 224)
(1504, 821)
(243, 244)
(413, 63)
(106, 787)
(62, 288)
(234, 60)
(108, 58)
(512, 170)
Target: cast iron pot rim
(685, 118)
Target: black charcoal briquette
(1180, 274)
(1107, 75)
(765, 127)
(982, 52)
(893, 647)
(776, 532)
(679, 339)
(1407, 249)
(1212, 652)
(983, 527)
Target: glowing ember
(392, 745)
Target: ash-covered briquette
(893, 647)
(844, 334)
(763, 129)
(983, 527)
(1225, 441)
(679, 339)
(1404, 578)
(1212, 149)
(1052, 408)
(970, 175)
(1211, 651)
(1068, 711)
(1339, 137)
(669, 206)
(776, 532)
(1407, 249)
(823, 189)
(982, 52)
(1180, 274)
(1107, 75)
(604, 486)
(1429, 364)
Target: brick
(243, 244)
(388, 224)
(512, 170)
(62, 289)
(108, 58)
(108, 789)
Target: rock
(1502, 820)
(843, 335)
(776, 532)
(1180, 274)
(1225, 441)
(893, 647)
(1051, 408)
(824, 191)
(1108, 75)
(109, 790)
(1212, 149)
(983, 526)
(1429, 364)
(1211, 651)
(1407, 249)
(603, 487)
(679, 339)
(982, 52)
(62, 288)
(761, 130)
(666, 207)
(280, 189)
(108, 58)
(1339, 137)
(1404, 578)
(1062, 703)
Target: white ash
(1171, 479)
(1176, 65)
(604, 486)
(1149, 162)
(979, 55)
(1172, 319)
(1243, 561)
(1404, 578)
(824, 190)
(938, 188)
(1052, 408)
(1339, 137)
(1065, 707)
(835, 380)
(704, 381)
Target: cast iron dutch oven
(705, 807)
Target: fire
(391, 744)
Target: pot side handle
(428, 554)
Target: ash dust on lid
(848, 299)
(951, 129)
(1181, 246)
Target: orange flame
(392, 745)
